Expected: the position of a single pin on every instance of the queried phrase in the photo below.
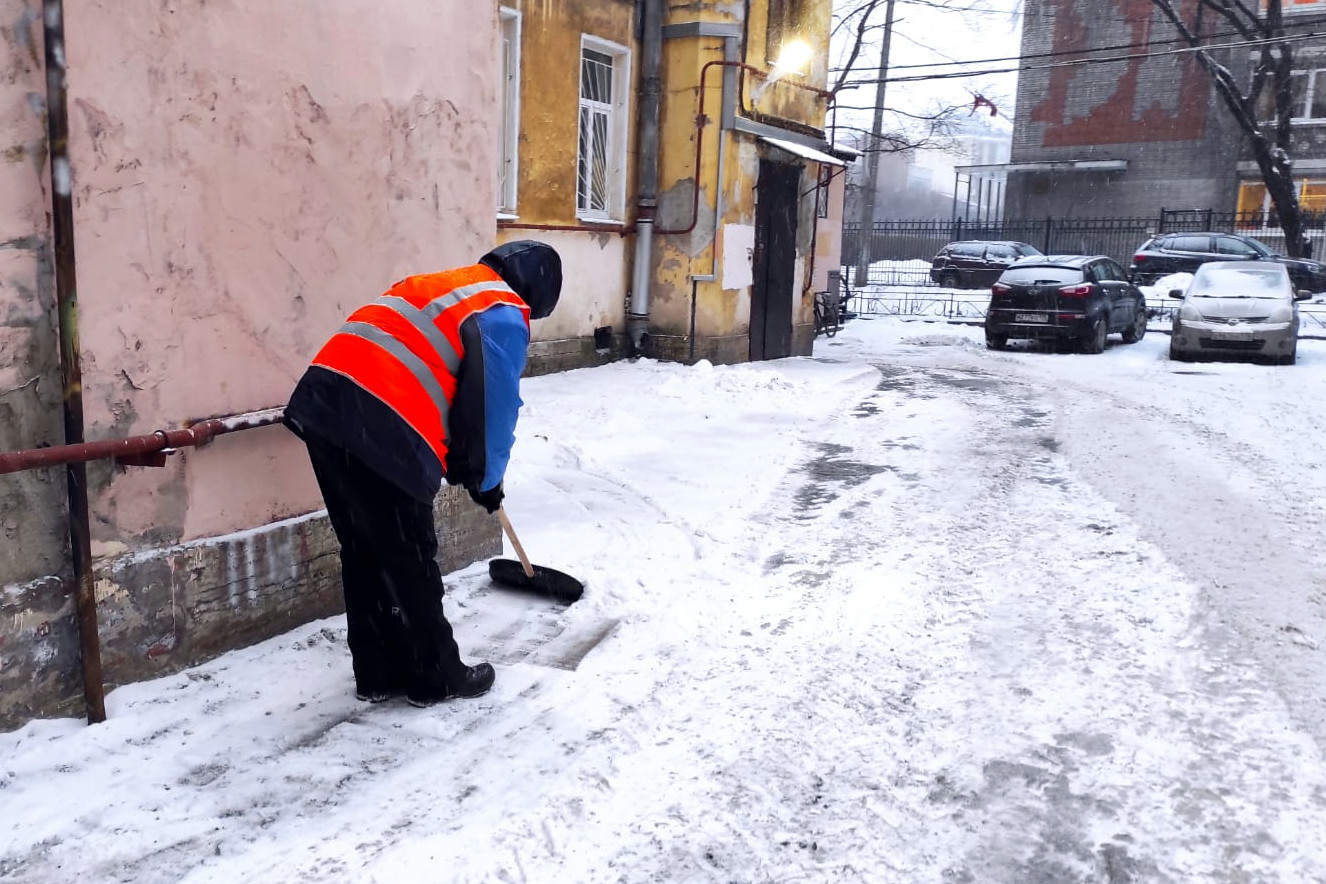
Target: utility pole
(872, 155)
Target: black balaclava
(532, 269)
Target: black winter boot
(475, 682)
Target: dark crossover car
(1072, 300)
(975, 264)
(1185, 252)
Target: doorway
(773, 291)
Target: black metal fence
(930, 302)
(899, 252)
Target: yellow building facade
(676, 157)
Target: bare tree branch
(1271, 143)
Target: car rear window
(1033, 275)
(967, 249)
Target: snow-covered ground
(908, 611)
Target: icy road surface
(909, 611)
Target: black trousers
(399, 637)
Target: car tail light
(1000, 288)
(1081, 290)
(1139, 258)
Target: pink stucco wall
(245, 173)
(32, 538)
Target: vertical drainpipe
(651, 90)
(66, 293)
(731, 53)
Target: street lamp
(793, 58)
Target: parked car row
(1242, 300)
(974, 264)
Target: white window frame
(1316, 78)
(508, 135)
(618, 113)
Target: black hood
(532, 269)
(1302, 263)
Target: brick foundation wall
(547, 357)
(723, 349)
(163, 610)
(718, 349)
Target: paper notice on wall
(738, 256)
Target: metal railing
(932, 302)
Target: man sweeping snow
(421, 385)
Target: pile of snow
(1166, 284)
(942, 340)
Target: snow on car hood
(1241, 280)
(1237, 308)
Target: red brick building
(1111, 121)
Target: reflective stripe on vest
(404, 348)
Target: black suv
(1185, 252)
(975, 264)
(1068, 299)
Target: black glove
(490, 499)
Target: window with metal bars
(595, 163)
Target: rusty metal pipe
(131, 448)
(619, 229)
(66, 295)
(701, 121)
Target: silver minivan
(1237, 308)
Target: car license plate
(1232, 335)
(1030, 317)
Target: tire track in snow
(1039, 708)
(1230, 519)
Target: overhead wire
(1096, 60)
(1315, 20)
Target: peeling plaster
(106, 589)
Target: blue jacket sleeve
(482, 423)
(505, 342)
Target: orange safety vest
(405, 347)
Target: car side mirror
(1176, 293)
(1302, 295)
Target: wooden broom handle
(511, 532)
